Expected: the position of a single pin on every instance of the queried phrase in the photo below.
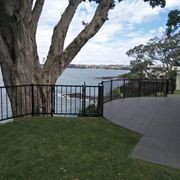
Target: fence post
(111, 90)
(124, 88)
(139, 87)
(156, 87)
(167, 87)
(84, 100)
(32, 98)
(52, 99)
(172, 85)
(100, 99)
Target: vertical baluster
(71, 95)
(7, 109)
(80, 104)
(61, 99)
(55, 98)
(32, 96)
(75, 100)
(1, 104)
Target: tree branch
(60, 30)
(60, 62)
(36, 12)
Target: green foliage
(177, 92)
(155, 3)
(116, 92)
(141, 61)
(152, 3)
(91, 109)
(135, 75)
(73, 148)
(126, 75)
(112, 4)
(164, 50)
(172, 74)
(173, 22)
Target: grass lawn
(177, 92)
(73, 149)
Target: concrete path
(157, 119)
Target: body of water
(73, 76)
(90, 76)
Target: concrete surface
(157, 119)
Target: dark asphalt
(157, 119)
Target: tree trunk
(18, 51)
(24, 69)
(19, 58)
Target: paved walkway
(157, 119)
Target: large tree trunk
(19, 58)
(18, 51)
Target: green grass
(177, 92)
(73, 149)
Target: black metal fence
(19, 96)
(78, 100)
(122, 88)
(81, 100)
(16, 101)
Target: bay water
(73, 76)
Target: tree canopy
(152, 3)
(173, 22)
(165, 49)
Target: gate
(78, 100)
(52, 100)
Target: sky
(131, 22)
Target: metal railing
(81, 100)
(78, 100)
(122, 88)
(20, 96)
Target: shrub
(91, 109)
(172, 74)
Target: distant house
(177, 68)
(156, 71)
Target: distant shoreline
(108, 77)
(111, 67)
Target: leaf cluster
(155, 3)
(141, 59)
(173, 22)
(152, 3)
